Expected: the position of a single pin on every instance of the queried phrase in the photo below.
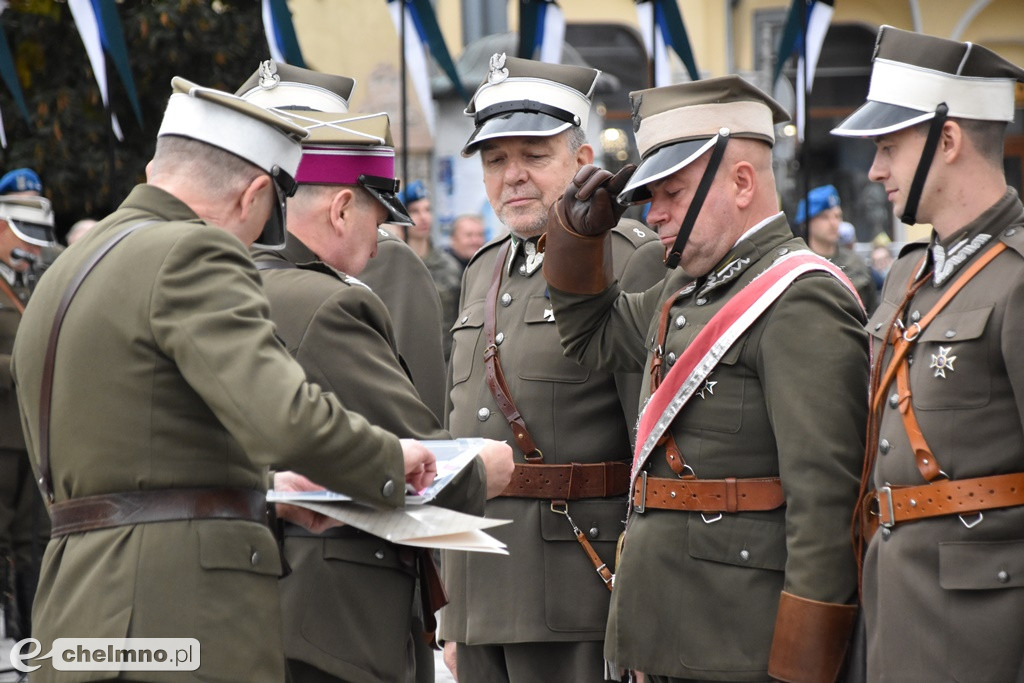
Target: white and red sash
(712, 342)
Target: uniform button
(388, 489)
(744, 555)
(465, 319)
(671, 358)
(878, 326)
(783, 251)
(950, 334)
(701, 301)
(255, 559)
(379, 554)
(883, 446)
(894, 400)
(506, 299)
(886, 533)
(500, 337)
(680, 321)
(522, 269)
(483, 414)
(1003, 576)
(1010, 232)
(594, 533)
(915, 316)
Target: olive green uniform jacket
(546, 589)
(349, 602)
(943, 602)
(860, 275)
(168, 374)
(695, 598)
(397, 275)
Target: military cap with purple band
(523, 97)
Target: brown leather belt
(108, 510)
(896, 504)
(707, 495)
(568, 482)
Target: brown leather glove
(588, 206)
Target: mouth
(519, 201)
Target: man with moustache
(539, 614)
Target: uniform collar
(947, 257)
(752, 245)
(524, 256)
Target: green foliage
(86, 172)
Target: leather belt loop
(105, 511)
(731, 504)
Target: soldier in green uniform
(444, 268)
(26, 226)
(171, 395)
(396, 274)
(349, 602)
(822, 214)
(943, 578)
(539, 614)
(736, 563)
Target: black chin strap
(921, 174)
(698, 200)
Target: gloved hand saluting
(589, 205)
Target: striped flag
(280, 32)
(541, 30)
(804, 33)
(661, 26)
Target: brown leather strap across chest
(105, 511)
(568, 482)
(707, 495)
(9, 292)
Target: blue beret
(20, 180)
(413, 193)
(820, 199)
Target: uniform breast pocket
(547, 362)
(717, 403)
(951, 363)
(465, 338)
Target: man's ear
(250, 201)
(744, 180)
(951, 141)
(584, 155)
(343, 203)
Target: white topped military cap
(217, 118)
(283, 86)
(523, 97)
(30, 217)
(913, 73)
(675, 125)
(350, 150)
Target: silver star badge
(942, 361)
(709, 386)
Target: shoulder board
(354, 281)
(493, 244)
(383, 235)
(1013, 236)
(914, 246)
(635, 231)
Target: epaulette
(1013, 236)
(635, 231)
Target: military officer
(396, 274)
(735, 564)
(539, 614)
(26, 226)
(820, 211)
(168, 395)
(348, 602)
(944, 468)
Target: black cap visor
(384, 190)
(516, 123)
(879, 118)
(661, 164)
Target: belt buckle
(643, 493)
(890, 521)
